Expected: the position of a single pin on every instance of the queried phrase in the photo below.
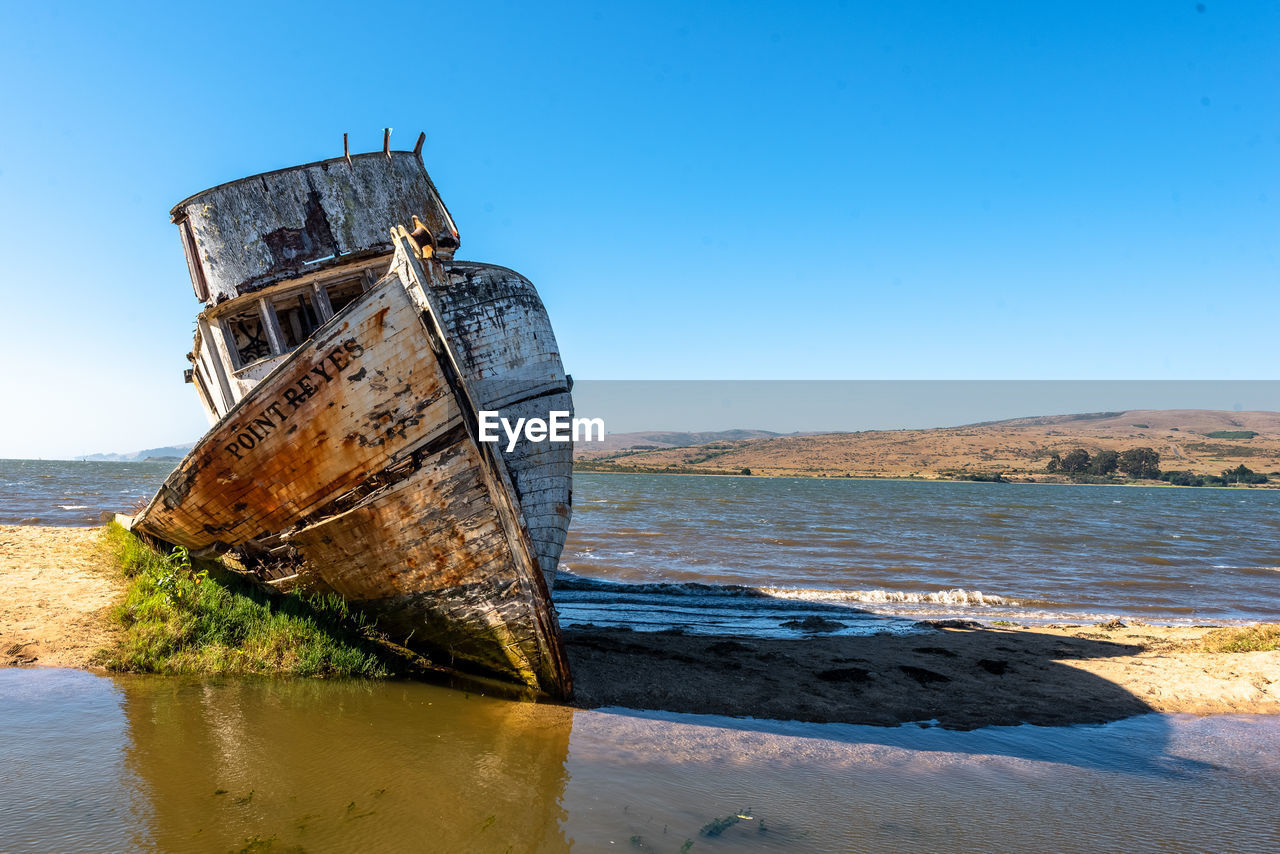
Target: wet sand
(56, 586)
(959, 676)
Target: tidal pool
(94, 763)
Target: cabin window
(298, 318)
(342, 294)
(248, 336)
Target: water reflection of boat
(344, 766)
(342, 361)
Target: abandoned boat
(342, 360)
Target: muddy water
(90, 763)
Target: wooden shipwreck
(342, 360)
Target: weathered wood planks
(344, 406)
(245, 235)
(430, 557)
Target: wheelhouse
(276, 256)
(244, 339)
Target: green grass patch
(1231, 434)
(1259, 638)
(185, 616)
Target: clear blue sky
(699, 191)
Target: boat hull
(440, 579)
(507, 352)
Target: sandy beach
(58, 587)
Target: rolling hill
(1199, 441)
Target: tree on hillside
(1140, 463)
(1075, 461)
(1055, 462)
(1104, 462)
(1243, 474)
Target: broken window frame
(317, 291)
(281, 304)
(237, 361)
(208, 349)
(362, 279)
(202, 389)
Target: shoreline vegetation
(1175, 479)
(1083, 473)
(96, 599)
(184, 616)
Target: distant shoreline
(1195, 448)
(590, 469)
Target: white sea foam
(566, 581)
(74, 506)
(884, 597)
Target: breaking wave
(765, 611)
(971, 598)
(1247, 568)
(566, 581)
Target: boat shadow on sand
(953, 675)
